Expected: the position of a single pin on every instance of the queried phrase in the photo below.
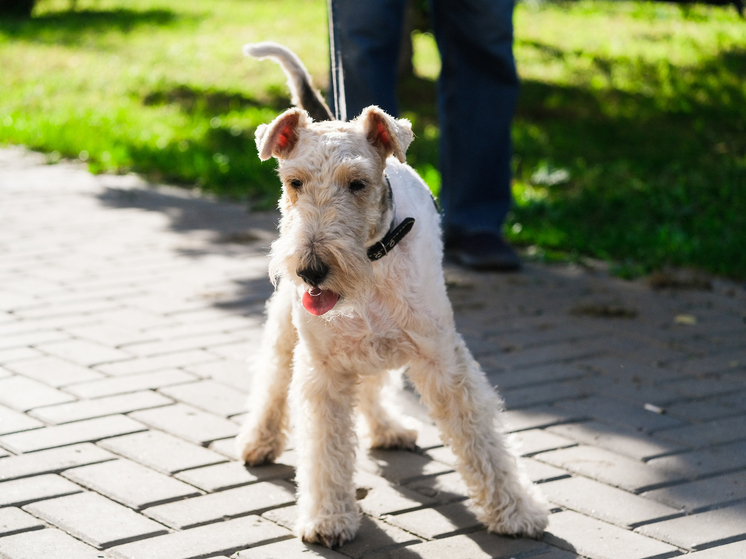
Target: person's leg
(478, 90)
(365, 37)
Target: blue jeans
(477, 93)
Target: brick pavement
(126, 314)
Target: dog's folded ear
(389, 135)
(279, 137)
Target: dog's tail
(301, 87)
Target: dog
(360, 292)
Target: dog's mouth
(319, 301)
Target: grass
(630, 137)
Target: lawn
(630, 137)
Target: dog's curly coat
(338, 322)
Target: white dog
(361, 292)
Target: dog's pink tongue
(319, 301)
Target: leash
(337, 72)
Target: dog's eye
(296, 184)
(356, 185)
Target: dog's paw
(254, 450)
(528, 517)
(394, 438)
(329, 531)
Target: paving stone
(504, 380)
(540, 394)
(32, 339)
(536, 417)
(162, 452)
(242, 501)
(111, 405)
(188, 423)
(729, 551)
(287, 517)
(227, 447)
(130, 383)
(538, 472)
(554, 353)
(707, 434)
(609, 504)
(400, 466)
(711, 363)
(442, 454)
(704, 462)
(375, 536)
(46, 544)
(161, 347)
(23, 394)
(95, 519)
(612, 469)
(90, 430)
(616, 438)
(428, 436)
(479, 545)
(234, 474)
(438, 522)
(131, 484)
(235, 373)
(210, 396)
(8, 356)
(634, 393)
(236, 351)
(84, 352)
(609, 410)
(54, 371)
(705, 410)
(627, 370)
(290, 549)
(12, 421)
(20, 492)
(381, 497)
(159, 363)
(705, 493)
(221, 538)
(599, 540)
(52, 461)
(111, 334)
(703, 530)
(15, 521)
(445, 488)
(534, 441)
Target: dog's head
(335, 201)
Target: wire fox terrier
(360, 292)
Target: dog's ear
(279, 137)
(389, 135)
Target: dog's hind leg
(385, 429)
(466, 409)
(323, 402)
(264, 433)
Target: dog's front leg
(264, 433)
(324, 401)
(466, 409)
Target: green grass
(630, 137)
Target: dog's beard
(346, 287)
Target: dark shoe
(482, 251)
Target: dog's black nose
(314, 274)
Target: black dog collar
(392, 238)
(394, 235)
